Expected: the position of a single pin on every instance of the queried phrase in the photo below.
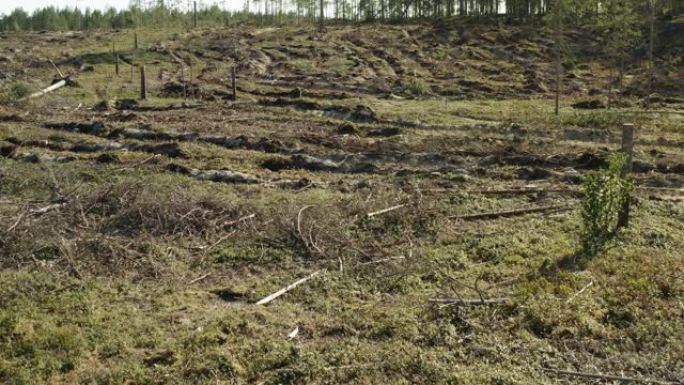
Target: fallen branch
(282, 291)
(138, 164)
(206, 248)
(605, 377)
(383, 211)
(38, 211)
(199, 278)
(61, 75)
(523, 191)
(46, 209)
(515, 213)
(579, 292)
(380, 261)
(16, 223)
(231, 223)
(46, 90)
(470, 302)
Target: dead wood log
(54, 86)
(284, 290)
(606, 377)
(470, 302)
(514, 213)
(523, 191)
(215, 175)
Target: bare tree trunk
(651, 62)
(321, 27)
(558, 67)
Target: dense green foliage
(605, 192)
(180, 13)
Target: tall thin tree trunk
(651, 61)
(559, 65)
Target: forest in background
(186, 13)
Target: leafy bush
(605, 193)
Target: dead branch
(523, 191)
(234, 222)
(46, 90)
(383, 211)
(38, 211)
(46, 209)
(579, 292)
(206, 248)
(470, 302)
(16, 223)
(606, 377)
(309, 244)
(138, 164)
(61, 75)
(515, 213)
(380, 261)
(199, 278)
(284, 290)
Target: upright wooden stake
(627, 148)
(194, 14)
(143, 84)
(116, 65)
(185, 89)
(135, 40)
(232, 82)
(559, 66)
(651, 62)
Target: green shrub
(18, 91)
(605, 193)
(15, 92)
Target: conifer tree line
(161, 13)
